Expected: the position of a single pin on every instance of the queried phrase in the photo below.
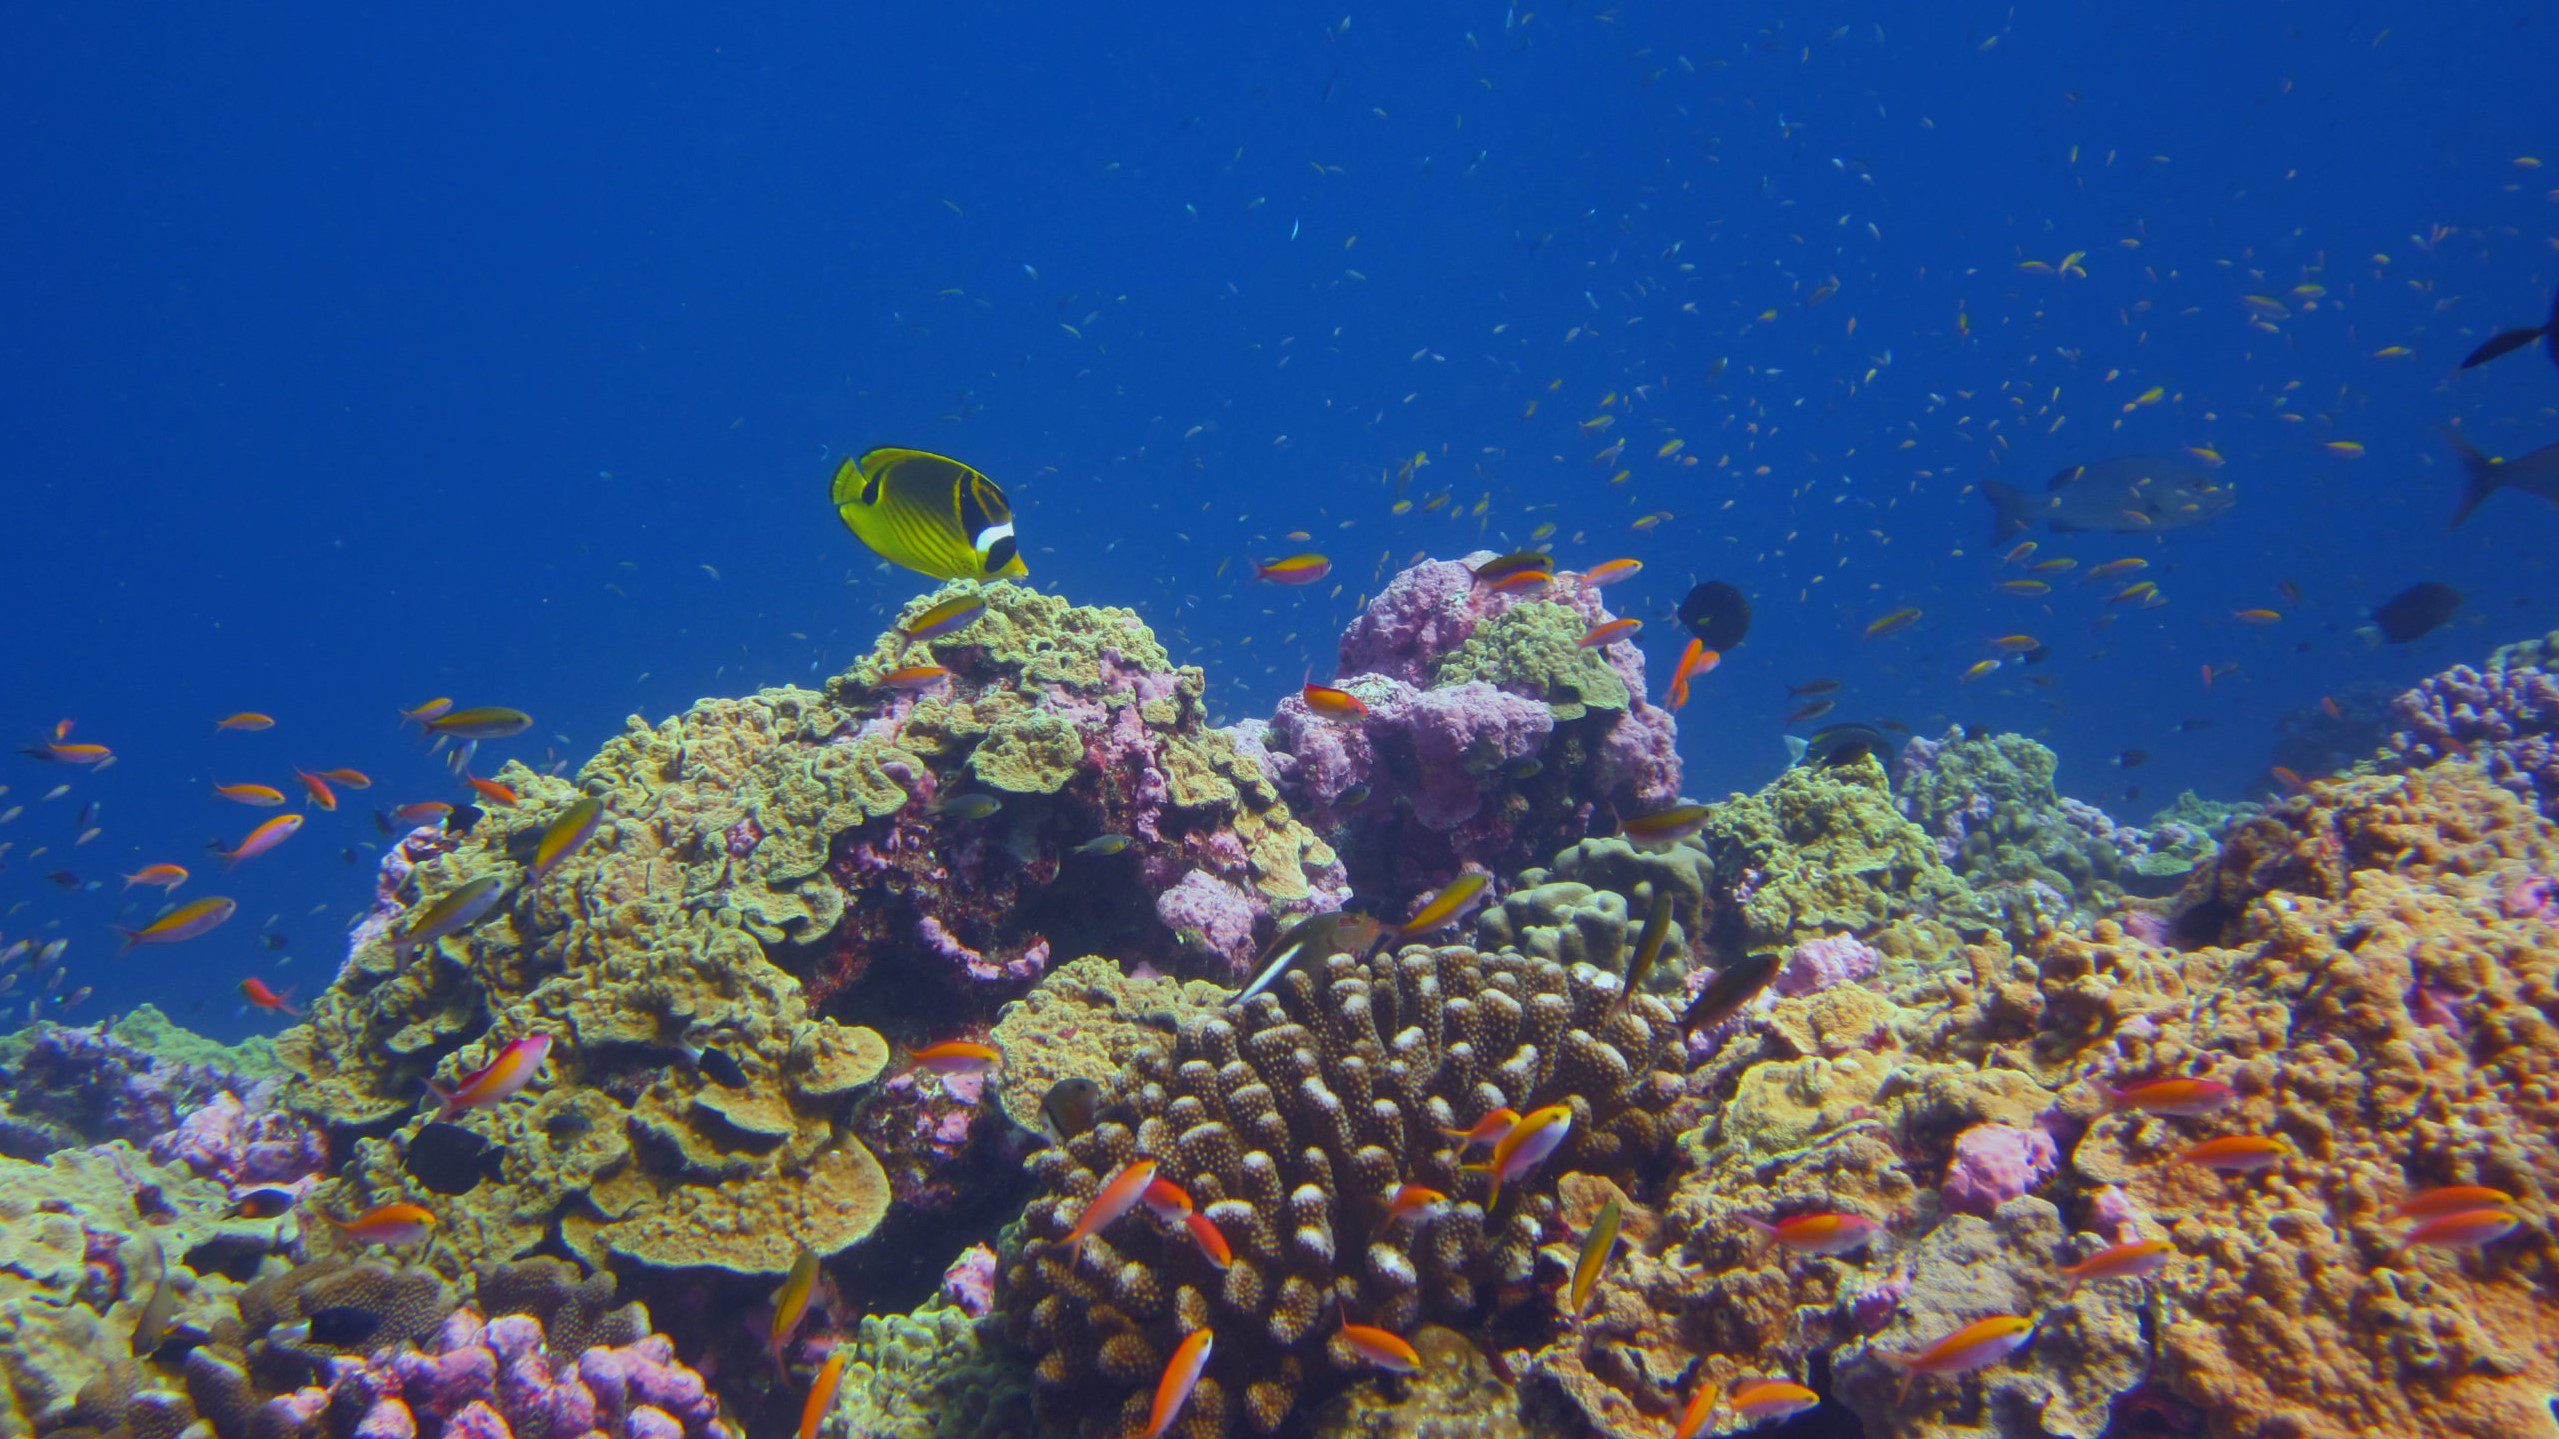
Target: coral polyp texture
(2378, 1010)
(2505, 717)
(1290, 1122)
(756, 860)
(1490, 736)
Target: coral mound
(1492, 737)
(1289, 1122)
(2378, 1008)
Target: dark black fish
(462, 818)
(2134, 494)
(2133, 758)
(450, 1159)
(64, 878)
(2509, 341)
(264, 1202)
(1717, 614)
(2534, 474)
(1071, 1105)
(2417, 610)
(720, 1067)
(1841, 744)
(339, 1326)
(1732, 987)
(272, 940)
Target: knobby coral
(1290, 1122)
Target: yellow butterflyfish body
(930, 513)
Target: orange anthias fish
(1816, 1233)
(1448, 906)
(432, 709)
(1701, 1407)
(1384, 1348)
(167, 876)
(1977, 1345)
(1487, 1130)
(246, 721)
(956, 1056)
(1168, 1200)
(1765, 1399)
(2461, 1229)
(266, 796)
(830, 1376)
(1337, 703)
(1405, 1200)
(499, 1079)
(258, 992)
(2139, 1259)
(265, 837)
(1211, 1241)
(185, 922)
(491, 791)
(1118, 1195)
(1610, 631)
(1610, 573)
(318, 789)
(2450, 1199)
(1295, 570)
(88, 754)
(1693, 661)
(1181, 1376)
(395, 1223)
(2236, 1153)
(348, 778)
(910, 678)
(1522, 582)
(1538, 1134)
(2186, 1098)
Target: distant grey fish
(2534, 474)
(2133, 494)
(2512, 340)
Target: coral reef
(1491, 737)
(134, 1080)
(936, 1373)
(1991, 803)
(756, 860)
(1823, 851)
(96, 1244)
(1089, 1020)
(1290, 1122)
(2505, 717)
(2361, 987)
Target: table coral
(1289, 1122)
(1492, 737)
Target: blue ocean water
(359, 354)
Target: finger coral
(1289, 1123)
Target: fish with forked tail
(2534, 474)
(2129, 495)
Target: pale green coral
(1824, 851)
(153, 1032)
(933, 1374)
(1087, 1020)
(1535, 648)
(1589, 907)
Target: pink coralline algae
(1497, 756)
(2506, 719)
(930, 1133)
(1819, 964)
(1995, 1163)
(2535, 896)
(970, 1281)
(496, 1379)
(78, 1086)
(244, 1141)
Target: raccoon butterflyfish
(929, 513)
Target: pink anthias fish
(499, 1079)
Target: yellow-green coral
(932, 1374)
(1536, 647)
(1823, 851)
(1087, 1020)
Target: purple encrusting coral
(243, 1139)
(86, 1086)
(497, 1379)
(1819, 964)
(1481, 770)
(2505, 719)
(1995, 1163)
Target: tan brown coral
(1289, 1122)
